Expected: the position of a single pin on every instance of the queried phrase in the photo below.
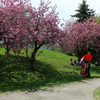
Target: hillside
(51, 69)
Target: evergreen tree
(83, 12)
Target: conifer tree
(83, 12)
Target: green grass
(97, 94)
(51, 69)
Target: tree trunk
(32, 60)
(32, 64)
(7, 47)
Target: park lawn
(97, 94)
(51, 69)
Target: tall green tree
(83, 12)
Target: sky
(68, 7)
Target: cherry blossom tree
(82, 38)
(43, 27)
(12, 22)
(24, 26)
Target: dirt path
(74, 91)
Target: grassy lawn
(51, 69)
(97, 94)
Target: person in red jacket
(85, 66)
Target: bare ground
(74, 91)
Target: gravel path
(74, 91)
